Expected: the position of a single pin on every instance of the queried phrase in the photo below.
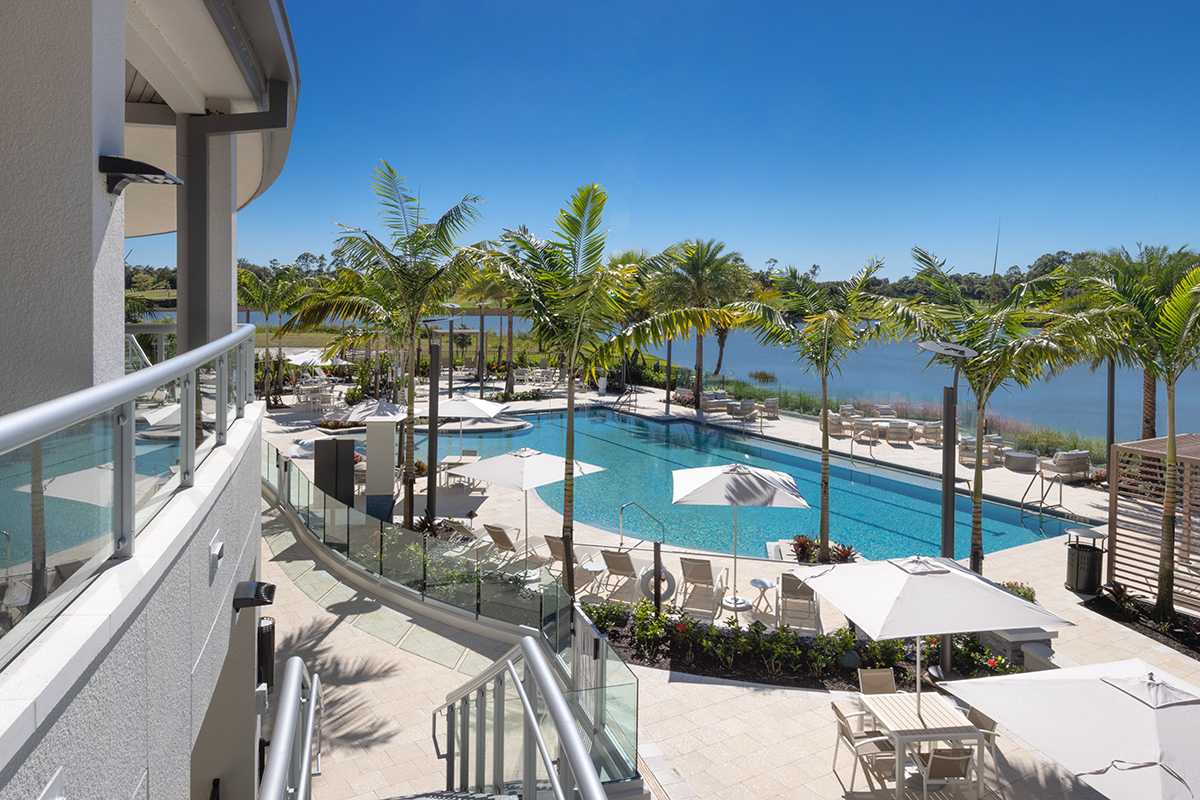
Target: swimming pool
(884, 513)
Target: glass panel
(363, 546)
(359, 528)
(514, 716)
(556, 618)
(512, 593)
(206, 409)
(451, 573)
(231, 370)
(403, 557)
(155, 450)
(56, 521)
(607, 717)
(318, 503)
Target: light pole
(949, 445)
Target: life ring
(647, 583)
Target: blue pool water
(883, 513)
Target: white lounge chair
(698, 574)
(619, 564)
(796, 601)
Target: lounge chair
(794, 596)
(945, 766)
(898, 433)
(558, 553)
(1067, 465)
(619, 564)
(770, 408)
(929, 433)
(502, 539)
(698, 573)
(966, 453)
(866, 745)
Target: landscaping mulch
(1184, 638)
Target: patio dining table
(450, 462)
(938, 720)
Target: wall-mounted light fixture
(123, 171)
(253, 593)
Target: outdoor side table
(1020, 462)
(1085, 562)
(763, 585)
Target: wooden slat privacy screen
(1136, 485)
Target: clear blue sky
(813, 133)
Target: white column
(61, 232)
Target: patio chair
(521, 376)
(698, 573)
(1067, 465)
(846, 411)
(502, 538)
(898, 433)
(770, 408)
(988, 726)
(877, 681)
(945, 766)
(966, 453)
(838, 425)
(929, 433)
(884, 411)
(793, 595)
(619, 564)
(866, 745)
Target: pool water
(883, 513)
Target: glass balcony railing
(82, 474)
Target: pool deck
(699, 738)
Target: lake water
(1074, 400)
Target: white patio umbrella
(313, 358)
(736, 485)
(359, 412)
(169, 415)
(1129, 729)
(465, 407)
(522, 469)
(920, 596)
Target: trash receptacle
(1085, 562)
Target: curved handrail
(28, 425)
(288, 770)
(621, 520)
(479, 680)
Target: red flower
(992, 663)
(681, 627)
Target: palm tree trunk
(823, 552)
(37, 518)
(279, 359)
(1164, 605)
(510, 377)
(722, 336)
(976, 494)
(409, 438)
(1149, 404)
(568, 528)
(699, 367)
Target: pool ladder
(621, 518)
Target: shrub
(354, 395)
(805, 548)
(842, 553)
(971, 658)
(649, 628)
(762, 376)
(606, 616)
(879, 655)
(1020, 589)
(508, 397)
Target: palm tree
(279, 294)
(701, 276)
(392, 284)
(832, 322)
(1152, 303)
(1009, 348)
(575, 301)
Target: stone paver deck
(702, 738)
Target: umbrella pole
(735, 549)
(460, 436)
(526, 493)
(918, 676)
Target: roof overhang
(202, 57)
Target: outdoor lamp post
(949, 445)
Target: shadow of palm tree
(348, 720)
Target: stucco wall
(115, 691)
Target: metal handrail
(479, 680)
(547, 761)
(288, 770)
(28, 425)
(621, 520)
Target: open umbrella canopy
(465, 407)
(735, 485)
(522, 469)
(313, 358)
(360, 412)
(1128, 729)
(921, 596)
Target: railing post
(529, 749)
(187, 429)
(480, 736)
(240, 378)
(498, 734)
(222, 398)
(450, 748)
(123, 480)
(464, 758)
